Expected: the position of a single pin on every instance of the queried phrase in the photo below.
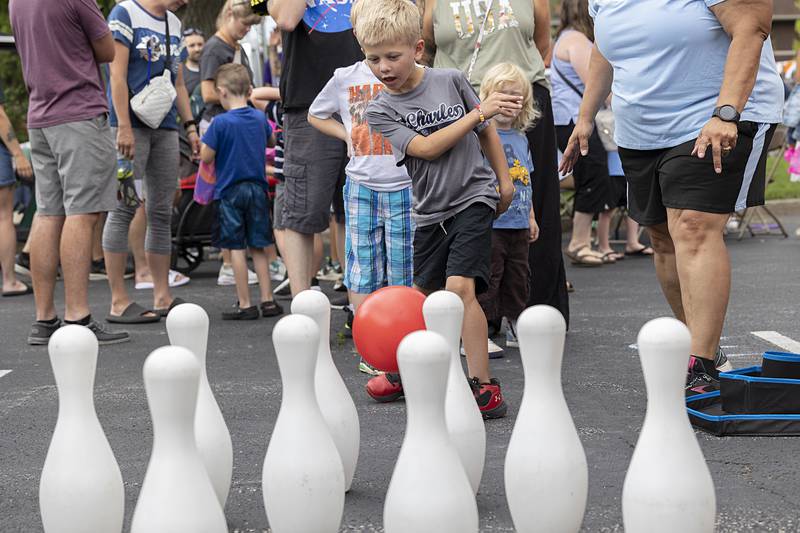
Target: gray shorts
(75, 166)
(314, 174)
(277, 206)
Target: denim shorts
(7, 175)
(243, 214)
(378, 238)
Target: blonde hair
(503, 73)
(239, 9)
(385, 22)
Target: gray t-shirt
(460, 177)
(216, 53)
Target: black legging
(548, 278)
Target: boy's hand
(534, 230)
(500, 103)
(506, 195)
(125, 142)
(22, 166)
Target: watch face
(727, 113)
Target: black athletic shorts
(458, 246)
(672, 177)
(593, 188)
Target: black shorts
(593, 190)
(672, 177)
(458, 246)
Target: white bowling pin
(444, 314)
(334, 399)
(429, 490)
(546, 475)
(668, 486)
(303, 477)
(187, 326)
(81, 487)
(177, 494)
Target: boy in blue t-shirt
(236, 141)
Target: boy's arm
(493, 150)
(332, 128)
(207, 154)
(437, 143)
(534, 227)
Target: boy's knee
(463, 287)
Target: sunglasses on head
(188, 32)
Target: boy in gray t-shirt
(439, 129)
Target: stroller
(192, 223)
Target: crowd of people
(425, 136)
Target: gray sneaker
(105, 336)
(511, 335)
(42, 331)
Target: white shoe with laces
(226, 277)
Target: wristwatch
(726, 113)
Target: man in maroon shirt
(62, 45)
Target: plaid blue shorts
(379, 238)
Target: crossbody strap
(480, 39)
(168, 64)
(561, 75)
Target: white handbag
(155, 101)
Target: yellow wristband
(480, 113)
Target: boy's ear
(419, 49)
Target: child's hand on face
(500, 103)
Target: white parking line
(4, 372)
(781, 341)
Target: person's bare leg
(8, 241)
(159, 269)
(704, 271)
(239, 264)
(279, 240)
(319, 252)
(356, 299)
(45, 245)
(97, 237)
(136, 235)
(475, 330)
(298, 254)
(261, 266)
(603, 232)
(76, 263)
(340, 236)
(632, 243)
(26, 248)
(666, 269)
(115, 268)
(581, 231)
(226, 256)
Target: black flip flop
(134, 314)
(641, 252)
(175, 302)
(21, 292)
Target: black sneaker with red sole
(385, 387)
(489, 398)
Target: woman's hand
(125, 142)
(500, 103)
(194, 141)
(578, 145)
(22, 166)
(721, 136)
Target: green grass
(781, 188)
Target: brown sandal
(584, 257)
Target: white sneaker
(226, 278)
(493, 348)
(176, 279)
(277, 270)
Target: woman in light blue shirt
(697, 97)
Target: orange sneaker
(385, 387)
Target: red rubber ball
(384, 318)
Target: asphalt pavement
(757, 479)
